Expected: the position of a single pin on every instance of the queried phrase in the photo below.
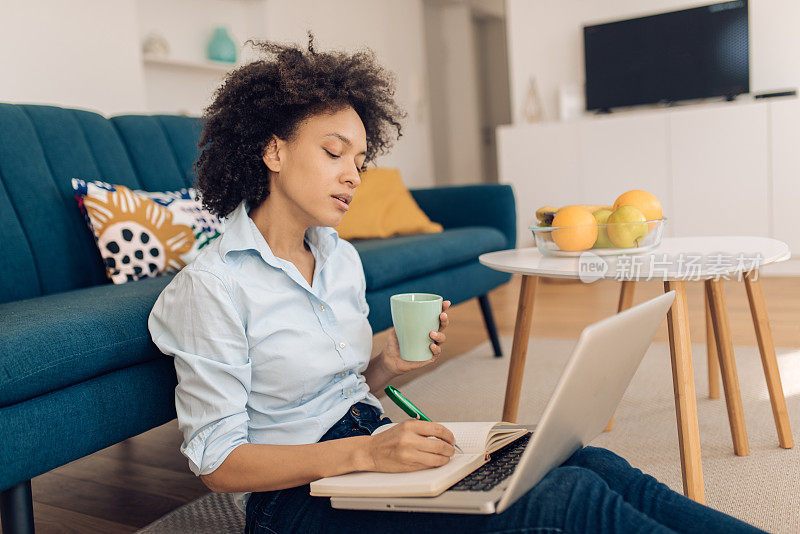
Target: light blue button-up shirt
(261, 356)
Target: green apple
(601, 216)
(627, 227)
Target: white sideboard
(722, 168)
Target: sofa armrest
(471, 205)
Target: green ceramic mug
(415, 316)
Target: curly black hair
(273, 96)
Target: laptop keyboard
(498, 468)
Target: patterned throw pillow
(142, 234)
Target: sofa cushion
(55, 341)
(383, 207)
(143, 234)
(390, 261)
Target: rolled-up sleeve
(195, 321)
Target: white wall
(81, 53)
(87, 53)
(394, 31)
(546, 41)
(493, 84)
(455, 113)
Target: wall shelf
(206, 65)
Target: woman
(268, 326)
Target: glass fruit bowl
(612, 238)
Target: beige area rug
(762, 488)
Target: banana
(591, 208)
(545, 214)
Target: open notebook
(477, 440)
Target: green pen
(408, 406)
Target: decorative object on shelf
(221, 47)
(571, 101)
(533, 104)
(155, 45)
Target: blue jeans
(593, 491)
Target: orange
(579, 230)
(646, 202)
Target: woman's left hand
(391, 354)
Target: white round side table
(674, 262)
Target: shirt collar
(241, 233)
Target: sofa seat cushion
(58, 340)
(390, 261)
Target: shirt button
(348, 392)
(343, 374)
(342, 345)
(321, 307)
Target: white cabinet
(785, 134)
(719, 168)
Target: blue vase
(221, 47)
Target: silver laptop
(602, 365)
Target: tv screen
(695, 53)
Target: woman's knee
(569, 476)
(569, 498)
(552, 501)
(562, 484)
(597, 459)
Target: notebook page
(500, 438)
(471, 437)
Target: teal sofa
(78, 370)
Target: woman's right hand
(410, 446)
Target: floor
(126, 486)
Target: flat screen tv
(694, 53)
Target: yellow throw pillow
(383, 207)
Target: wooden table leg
(758, 309)
(519, 349)
(626, 291)
(711, 352)
(730, 379)
(680, 348)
